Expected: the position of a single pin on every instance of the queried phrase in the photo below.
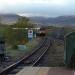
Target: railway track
(31, 60)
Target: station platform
(46, 71)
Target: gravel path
(55, 55)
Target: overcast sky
(48, 8)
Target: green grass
(15, 53)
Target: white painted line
(43, 71)
(29, 71)
(74, 72)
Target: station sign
(30, 33)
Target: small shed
(2, 50)
(69, 47)
(2, 46)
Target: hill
(56, 20)
(8, 18)
(61, 20)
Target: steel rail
(36, 63)
(13, 66)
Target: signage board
(30, 33)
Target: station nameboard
(30, 33)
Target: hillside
(8, 18)
(56, 20)
(61, 20)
